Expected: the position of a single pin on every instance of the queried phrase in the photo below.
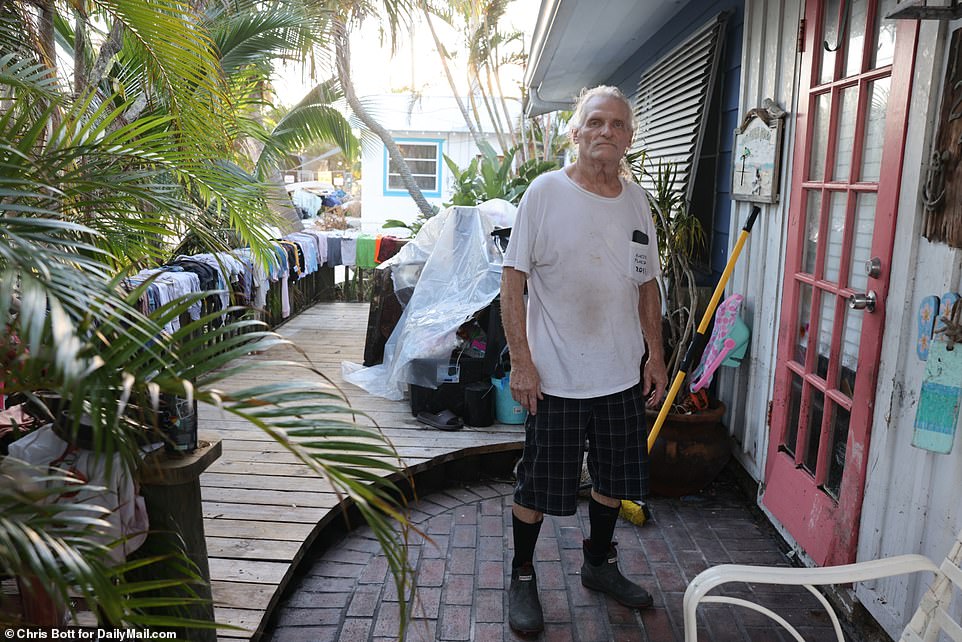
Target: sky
(416, 63)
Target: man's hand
(655, 382)
(525, 380)
(526, 386)
(649, 314)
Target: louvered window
(672, 104)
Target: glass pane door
(846, 148)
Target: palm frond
(396, 13)
(256, 35)
(179, 59)
(304, 125)
(26, 74)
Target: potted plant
(693, 446)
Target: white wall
(768, 71)
(376, 207)
(912, 497)
(422, 117)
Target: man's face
(605, 135)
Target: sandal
(444, 420)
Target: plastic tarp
(454, 266)
(111, 487)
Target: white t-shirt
(583, 275)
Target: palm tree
(314, 119)
(478, 54)
(444, 10)
(547, 140)
(493, 66)
(107, 172)
(479, 21)
(349, 13)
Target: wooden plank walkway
(263, 509)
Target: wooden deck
(263, 509)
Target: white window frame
(396, 188)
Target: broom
(633, 511)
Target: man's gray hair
(606, 91)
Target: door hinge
(801, 35)
(768, 414)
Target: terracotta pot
(690, 451)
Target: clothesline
(292, 257)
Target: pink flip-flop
(719, 344)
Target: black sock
(525, 539)
(602, 520)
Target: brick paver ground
(346, 592)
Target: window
(423, 158)
(678, 105)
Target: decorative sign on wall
(757, 154)
(937, 413)
(942, 192)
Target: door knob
(863, 301)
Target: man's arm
(525, 381)
(649, 313)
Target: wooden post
(170, 485)
(326, 284)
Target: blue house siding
(687, 21)
(729, 121)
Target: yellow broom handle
(665, 407)
(703, 326)
(722, 282)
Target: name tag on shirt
(638, 268)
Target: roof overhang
(578, 44)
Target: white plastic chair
(929, 619)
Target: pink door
(852, 109)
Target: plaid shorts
(550, 470)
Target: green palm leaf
(26, 74)
(178, 53)
(255, 35)
(314, 119)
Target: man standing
(584, 244)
